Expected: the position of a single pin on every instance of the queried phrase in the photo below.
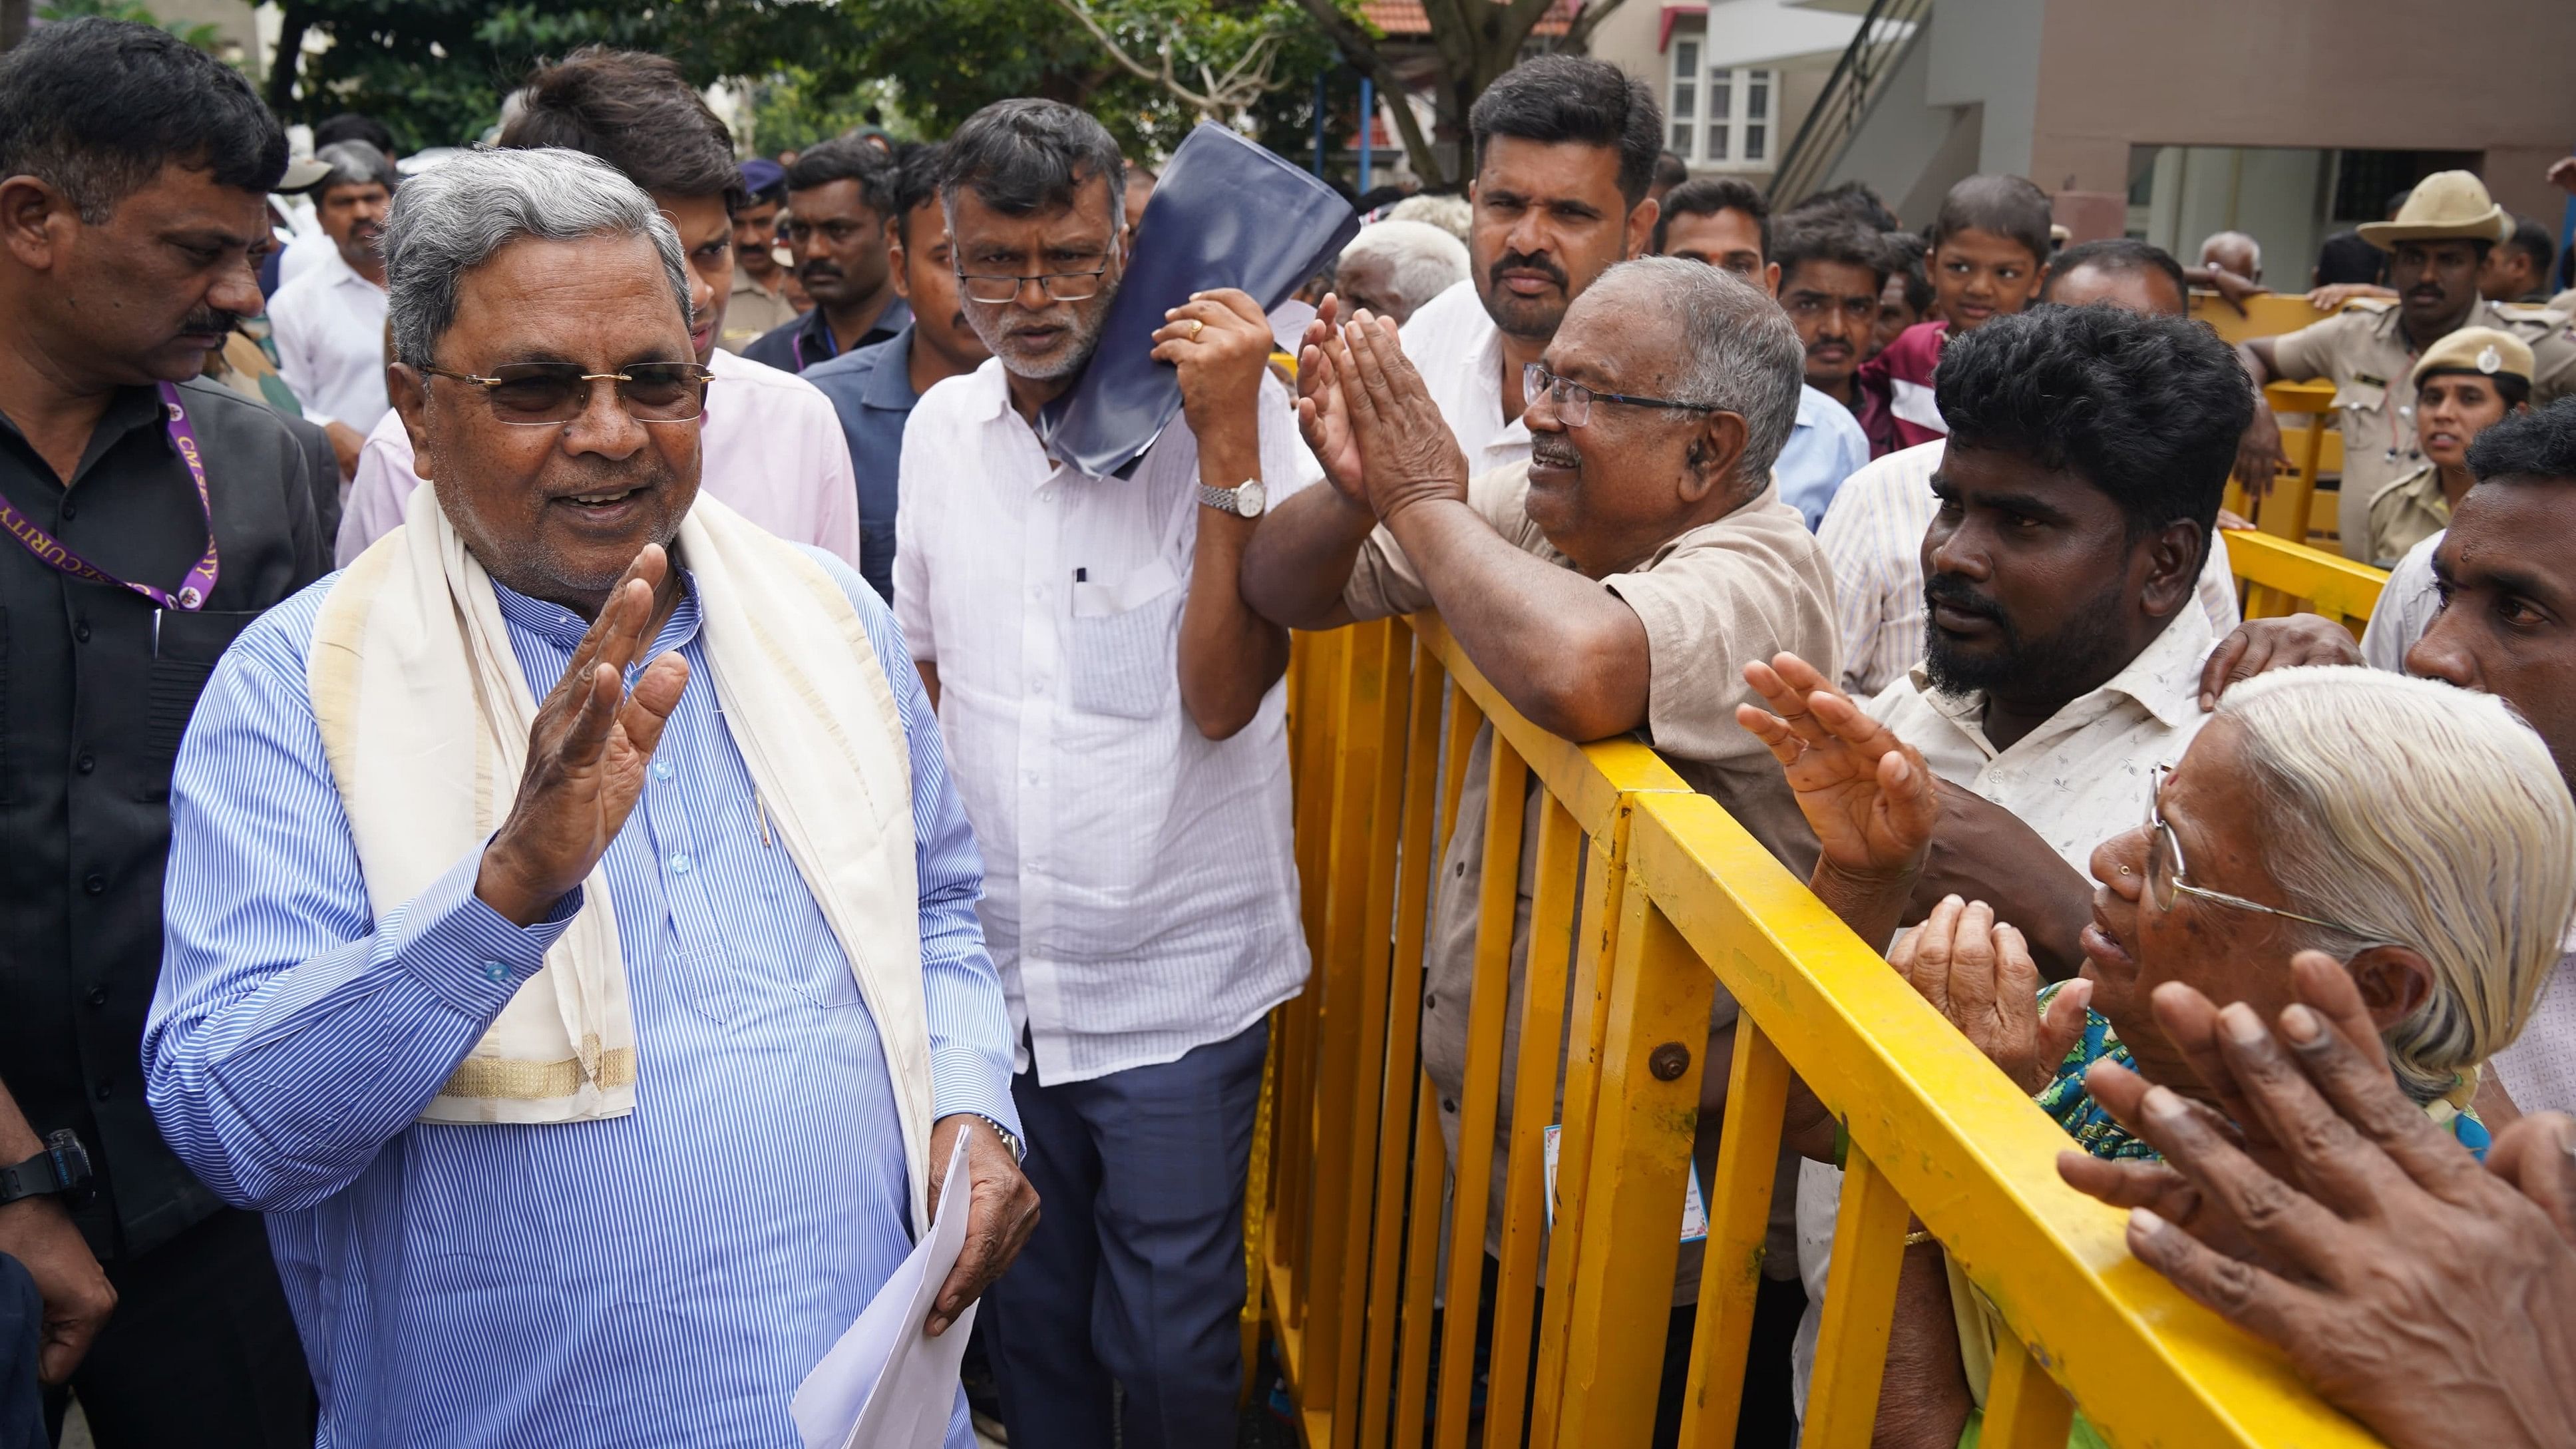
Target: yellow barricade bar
(1645, 900)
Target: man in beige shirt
(1616, 582)
(2437, 244)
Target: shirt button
(98, 996)
(70, 511)
(85, 764)
(1449, 1105)
(1037, 591)
(664, 769)
(104, 1090)
(95, 884)
(80, 632)
(496, 970)
(1430, 1003)
(680, 862)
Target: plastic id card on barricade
(1694, 1208)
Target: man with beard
(875, 388)
(2087, 451)
(152, 516)
(2437, 245)
(840, 210)
(329, 324)
(1565, 151)
(757, 303)
(2063, 636)
(1118, 725)
(773, 449)
(1608, 585)
(1874, 531)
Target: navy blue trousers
(1135, 1272)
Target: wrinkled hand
(2259, 459)
(78, 1298)
(586, 754)
(1977, 972)
(1867, 794)
(2411, 1288)
(1407, 453)
(2234, 289)
(1219, 342)
(1001, 1212)
(1322, 416)
(2259, 646)
(2332, 296)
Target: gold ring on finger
(1196, 327)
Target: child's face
(1979, 276)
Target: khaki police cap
(2475, 349)
(2445, 206)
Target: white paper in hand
(886, 1384)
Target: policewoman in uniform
(2436, 245)
(150, 515)
(2465, 383)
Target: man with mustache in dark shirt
(841, 198)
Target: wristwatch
(1010, 1139)
(63, 1167)
(1244, 500)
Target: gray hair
(1422, 260)
(2427, 817)
(1739, 353)
(354, 163)
(449, 221)
(1451, 214)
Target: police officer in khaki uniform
(2437, 244)
(2466, 383)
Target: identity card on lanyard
(53, 553)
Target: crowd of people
(568, 745)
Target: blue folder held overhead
(1226, 214)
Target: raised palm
(1867, 794)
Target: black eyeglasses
(992, 289)
(532, 394)
(1573, 401)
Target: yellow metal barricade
(1647, 899)
(2282, 577)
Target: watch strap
(1220, 499)
(61, 1167)
(1010, 1139)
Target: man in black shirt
(150, 516)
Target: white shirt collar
(2164, 680)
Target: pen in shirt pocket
(760, 818)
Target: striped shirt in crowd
(666, 1277)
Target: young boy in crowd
(1989, 251)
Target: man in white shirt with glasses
(1117, 726)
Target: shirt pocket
(1124, 643)
(186, 644)
(2356, 396)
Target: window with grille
(1721, 116)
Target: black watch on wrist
(63, 1167)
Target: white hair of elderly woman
(449, 221)
(2428, 817)
(1422, 260)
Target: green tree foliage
(436, 70)
(202, 36)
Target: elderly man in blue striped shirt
(587, 1016)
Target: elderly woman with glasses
(2417, 833)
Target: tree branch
(290, 58)
(1362, 52)
(1578, 36)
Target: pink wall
(2468, 75)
